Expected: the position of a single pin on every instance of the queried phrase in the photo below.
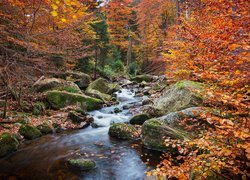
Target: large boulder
(173, 118)
(8, 144)
(100, 85)
(155, 131)
(80, 78)
(123, 131)
(182, 95)
(46, 84)
(139, 119)
(29, 132)
(99, 95)
(141, 78)
(82, 164)
(60, 99)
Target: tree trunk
(129, 52)
(177, 6)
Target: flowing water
(46, 157)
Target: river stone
(100, 85)
(154, 133)
(82, 164)
(182, 95)
(99, 95)
(29, 132)
(123, 131)
(60, 99)
(139, 119)
(117, 110)
(172, 118)
(46, 84)
(8, 144)
(75, 117)
(141, 78)
(45, 128)
(80, 78)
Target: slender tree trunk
(177, 6)
(96, 60)
(129, 52)
(6, 104)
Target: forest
(124, 89)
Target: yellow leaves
(54, 6)
(63, 20)
(54, 13)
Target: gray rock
(80, 78)
(182, 95)
(123, 131)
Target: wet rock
(82, 164)
(94, 125)
(123, 131)
(29, 132)
(59, 99)
(141, 78)
(45, 128)
(117, 110)
(57, 127)
(154, 133)
(146, 102)
(46, 84)
(75, 117)
(8, 144)
(80, 78)
(139, 119)
(182, 95)
(114, 87)
(126, 107)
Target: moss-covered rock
(123, 131)
(154, 133)
(141, 78)
(99, 95)
(39, 108)
(46, 84)
(117, 110)
(45, 128)
(57, 127)
(182, 95)
(139, 119)
(29, 132)
(82, 164)
(75, 117)
(100, 85)
(8, 144)
(80, 78)
(114, 87)
(58, 99)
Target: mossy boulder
(59, 99)
(8, 144)
(114, 87)
(141, 78)
(57, 127)
(29, 132)
(100, 85)
(123, 131)
(154, 133)
(82, 164)
(117, 110)
(139, 119)
(182, 95)
(80, 78)
(76, 118)
(45, 128)
(39, 108)
(99, 95)
(46, 84)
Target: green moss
(60, 99)
(45, 128)
(184, 83)
(83, 164)
(8, 144)
(29, 132)
(39, 108)
(69, 89)
(139, 119)
(154, 123)
(123, 131)
(100, 85)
